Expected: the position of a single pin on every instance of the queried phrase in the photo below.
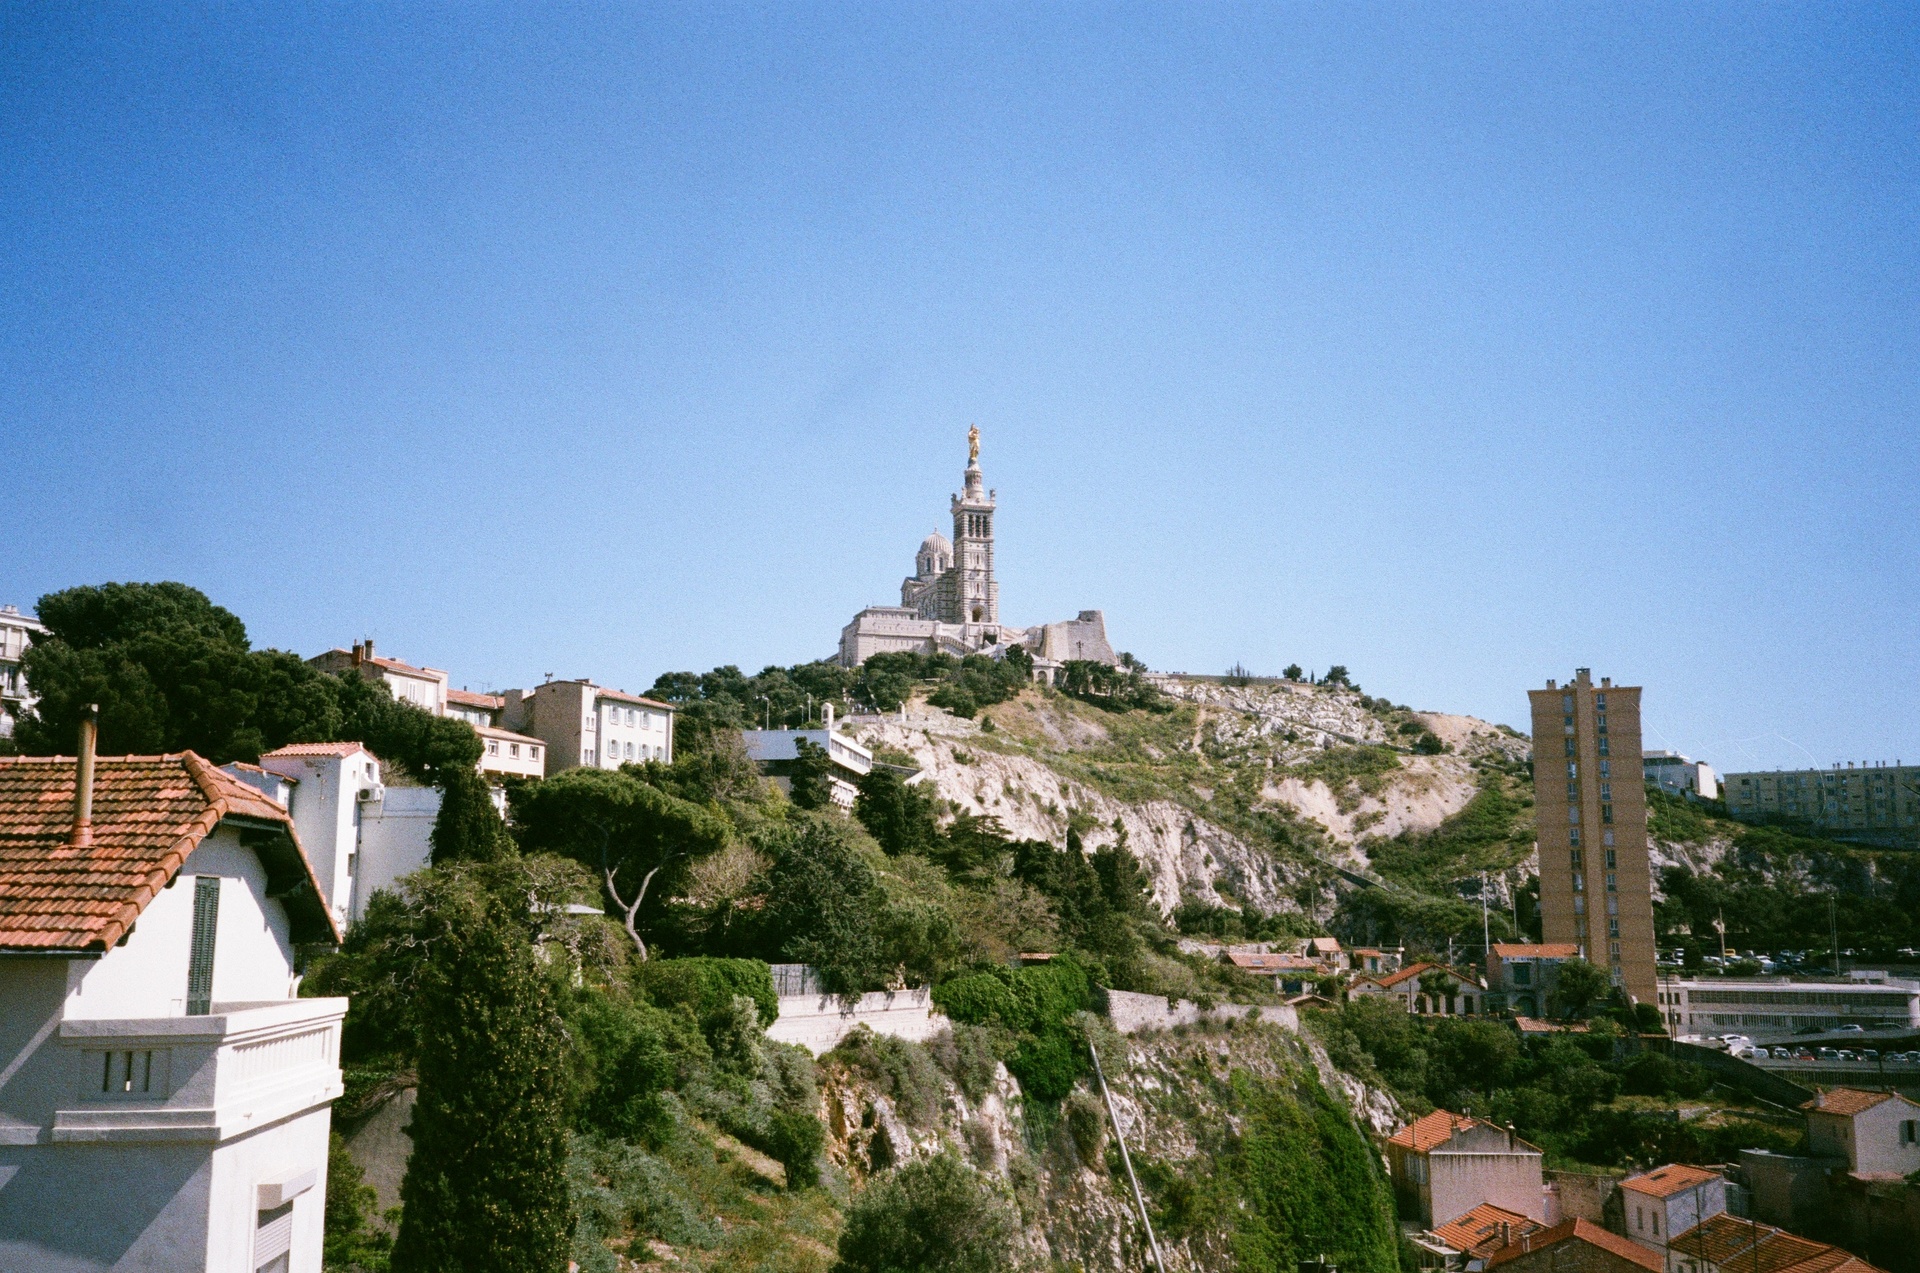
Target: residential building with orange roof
(422, 686)
(1466, 1242)
(1291, 974)
(1465, 998)
(1667, 1200)
(1730, 1244)
(1576, 1246)
(165, 1095)
(1877, 1133)
(1443, 1165)
(1521, 975)
(504, 753)
(475, 708)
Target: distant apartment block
(165, 1093)
(1879, 799)
(504, 753)
(17, 632)
(1679, 775)
(1778, 1007)
(581, 723)
(1596, 886)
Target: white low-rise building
(1778, 1007)
(776, 751)
(17, 632)
(581, 723)
(1679, 775)
(165, 1098)
(422, 686)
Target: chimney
(827, 712)
(82, 835)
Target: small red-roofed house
(165, 1095)
(1521, 975)
(1443, 1165)
(1466, 1242)
(1729, 1244)
(1669, 1200)
(1878, 1133)
(1463, 995)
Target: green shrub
(1046, 1066)
(901, 1071)
(707, 986)
(982, 998)
(1085, 1120)
(795, 1138)
(931, 1216)
(968, 1055)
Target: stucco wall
(819, 1022)
(1462, 1181)
(147, 977)
(395, 840)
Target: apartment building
(1443, 1165)
(1773, 1009)
(777, 750)
(17, 632)
(581, 723)
(165, 1095)
(422, 686)
(1868, 799)
(1679, 775)
(1596, 886)
(503, 754)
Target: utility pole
(1486, 933)
(1833, 923)
(1153, 1244)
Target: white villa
(165, 1097)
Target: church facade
(951, 602)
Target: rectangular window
(1573, 836)
(1579, 882)
(1606, 769)
(513, 750)
(1613, 928)
(206, 921)
(1576, 859)
(1603, 744)
(1613, 882)
(1606, 791)
(1573, 791)
(127, 1073)
(273, 1239)
(1573, 770)
(1570, 747)
(1606, 813)
(1600, 702)
(493, 747)
(1613, 860)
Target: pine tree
(468, 828)
(486, 1186)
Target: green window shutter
(206, 920)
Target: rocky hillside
(1237, 793)
(1242, 1135)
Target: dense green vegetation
(1563, 1093)
(934, 1215)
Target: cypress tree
(486, 1185)
(467, 828)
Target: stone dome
(936, 543)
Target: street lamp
(768, 719)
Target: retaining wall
(1131, 1013)
(817, 1022)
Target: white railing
(241, 1067)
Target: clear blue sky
(1459, 344)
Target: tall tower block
(975, 599)
(1590, 804)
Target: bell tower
(975, 597)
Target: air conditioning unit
(372, 795)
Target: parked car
(1826, 1054)
(1850, 1028)
(1781, 1054)
(1846, 1054)
(1869, 1054)
(1802, 1054)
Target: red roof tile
(1578, 1230)
(319, 749)
(623, 697)
(1664, 1182)
(1485, 1229)
(468, 698)
(149, 813)
(1744, 1246)
(1845, 1100)
(1425, 1132)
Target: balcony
(241, 1067)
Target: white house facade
(164, 1095)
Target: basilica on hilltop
(951, 602)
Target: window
(1606, 791)
(273, 1239)
(1569, 746)
(1566, 704)
(1606, 813)
(586, 755)
(1606, 769)
(629, 751)
(1603, 744)
(1613, 882)
(1575, 856)
(493, 747)
(1573, 791)
(1600, 723)
(127, 1073)
(1613, 928)
(1579, 903)
(1910, 1132)
(533, 753)
(1600, 702)
(206, 922)
(513, 749)
(1606, 837)
(1523, 974)
(1612, 860)
(1573, 813)
(1579, 882)
(1573, 835)
(1573, 770)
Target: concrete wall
(326, 813)
(1571, 1256)
(1875, 1139)
(1582, 1195)
(1132, 1013)
(395, 840)
(819, 1022)
(1786, 1190)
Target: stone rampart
(817, 1022)
(1132, 1013)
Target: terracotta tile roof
(1664, 1182)
(1743, 1246)
(469, 698)
(507, 735)
(1413, 971)
(149, 813)
(319, 749)
(621, 696)
(1847, 1101)
(1578, 1230)
(1425, 1132)
(1535, 950)
(406, 669)
(1485, 1229)
(255, 769)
